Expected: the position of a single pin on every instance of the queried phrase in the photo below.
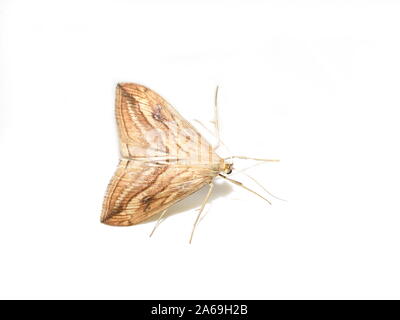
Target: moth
(163, 159)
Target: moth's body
(164, 158)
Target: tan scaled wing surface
(164, 158)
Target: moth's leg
(244, 187)
(204, 126)
(215, 122)
(201, 210)
(158, 222)
(210, 132)
(216, 119)
(261, 186)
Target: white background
(315, 84)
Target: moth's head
(228, 167)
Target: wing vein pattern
(163, 158)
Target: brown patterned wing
(149, 127)
(141, 189)
(164, 158)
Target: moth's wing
(142, 189)
(149, 127)
(164, 160)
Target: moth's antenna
(247, 168)
(216, 118)
(158, 222)
(244, 187)
(260, 185)
(201, 210)
(249, 158)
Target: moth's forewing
(149, 127)
(139, 190)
